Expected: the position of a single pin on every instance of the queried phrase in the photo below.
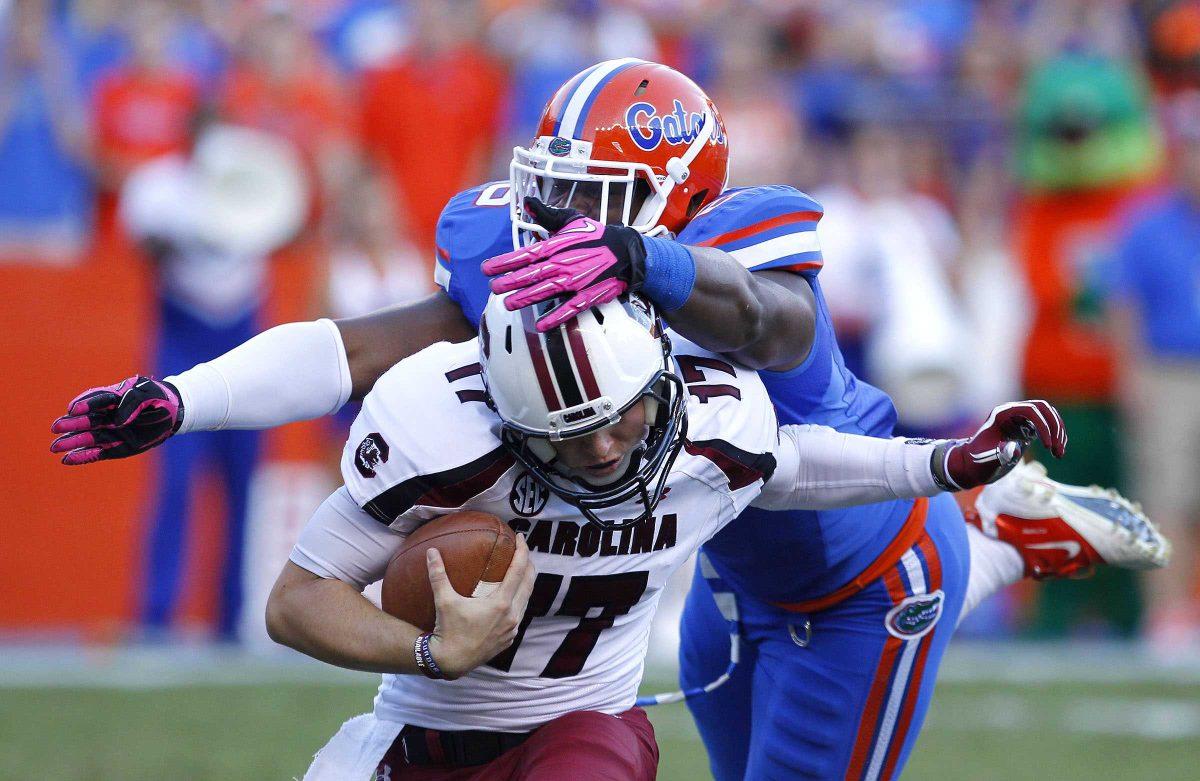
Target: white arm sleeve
(341, 541)
(818, 468)
(296, 371)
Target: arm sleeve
(342, 542)
(296, 371)
(819, 468)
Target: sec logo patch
(371, 452)
(528, 496)
(915, 616)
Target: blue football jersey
(776, 556)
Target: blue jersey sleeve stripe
(771, 250)
(802, 262)
(805, 226)
(787, 218)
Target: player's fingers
(517, 569)
(68, 442)
(525, 277)
(93, 401)
(82, 456)
(551, 218)
(1057, 427)
(69, 423)
(509, 261)
(443, 592)
(525, 590)
(562, 313)
(593, 295)
(1035, 416)
(529, 296)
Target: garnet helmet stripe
(534, 343)
(583, 364)
(560, 366)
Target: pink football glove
(117, 421)
(999, 444)
(593, 261)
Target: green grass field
(975, 731)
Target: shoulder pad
(726, 401)
(474, 226)
(767, 227)
(425, 437)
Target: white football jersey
(426, 445)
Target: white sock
(994, 565)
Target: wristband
(939, 465)
(424, 656)
(670, 273)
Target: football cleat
(1064, 531)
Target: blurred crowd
(1011, 187)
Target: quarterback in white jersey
(615, 456)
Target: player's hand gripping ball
(471, 598)
(476, 549)
(583, 258)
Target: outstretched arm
(292, 372)
(819, 468)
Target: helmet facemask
(576, 380)
(562, 172)
(649, 463)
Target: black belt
(463, 748)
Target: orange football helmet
(625, 141)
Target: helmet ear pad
(542, 449)
(652, 407)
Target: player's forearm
(820, 468)
(752, 318)
(292, 372)
(376, 342)
(331, 621)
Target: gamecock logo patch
(528, 497)
(916, 616)
(371, 452)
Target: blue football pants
(850, 703)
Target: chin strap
(678, 170)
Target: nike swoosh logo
(1070, 546)
(585, 227)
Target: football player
(736, 271)
(591, 438)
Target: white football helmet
(577, 379)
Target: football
(476, 549)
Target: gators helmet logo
(559, 147)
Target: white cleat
(1066, 530)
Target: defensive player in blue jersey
(843, 615)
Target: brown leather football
(476, 549)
